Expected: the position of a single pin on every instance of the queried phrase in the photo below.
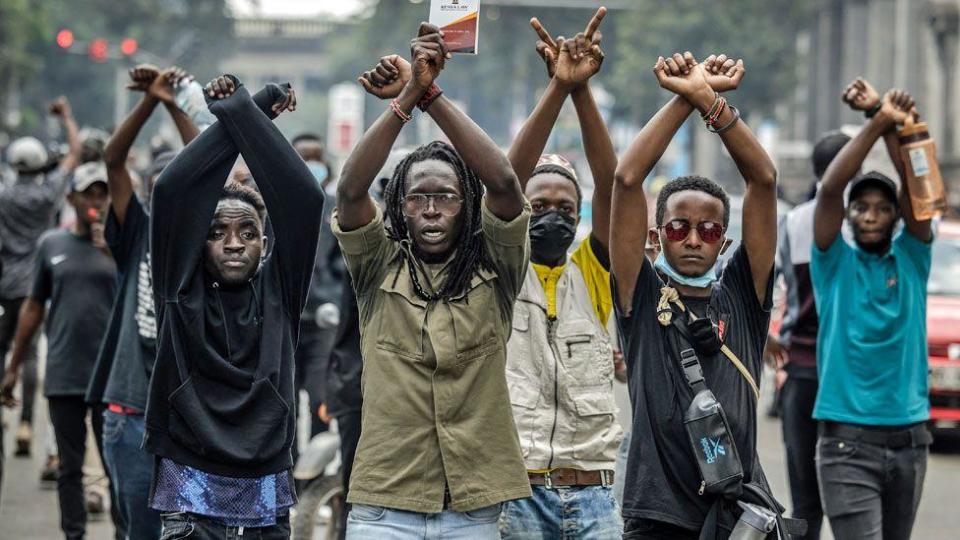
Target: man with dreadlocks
(690, 315)
(438, 451)
(560, 366)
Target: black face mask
(551, 234)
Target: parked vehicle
(943, 328)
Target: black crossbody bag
(721, 471)
(711, 440)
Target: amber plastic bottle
(919, 152)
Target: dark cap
(827, 148)
(873, 179)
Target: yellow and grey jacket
(560, 367)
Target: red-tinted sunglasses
(677, 230)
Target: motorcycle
(322, 498)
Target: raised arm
(162, 89)
(391, 78)
(756, 168)
(503, 194)
(292, 195)
(118, 147)
(61, 107)
(186, 196)
(532, 137)
(829, 213)
(628, 212)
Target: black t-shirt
(129, 347)
(79, 280)
(662, 478)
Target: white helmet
(27, 154)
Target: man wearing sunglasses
(663, 496)
(873, 401)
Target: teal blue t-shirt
(872, 344)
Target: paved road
(28, 512)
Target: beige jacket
(560, 374)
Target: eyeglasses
(444, 203)
(677, 230)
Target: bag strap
(665, 315)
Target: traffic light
(128, 46)
(98, 50)
(65, 38)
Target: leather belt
(917, 435)
(571, 477)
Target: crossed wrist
(702, 99)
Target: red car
(943, 328)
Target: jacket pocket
(241, 427)
(597, 432)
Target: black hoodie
(222, 398)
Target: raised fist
(681, 75)
(387, 78)
(60, 107)
(897, 106)
(428, 54)
(860, 96)
(141, 77)
(723, 74)
(162, 86)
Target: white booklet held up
(460, 22)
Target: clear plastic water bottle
(189, 98)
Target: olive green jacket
(436, 409)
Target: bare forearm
(72, 158)
(828, 216)
(118, 148)
(601, 157)
(483, 156)
(652, 141)
(185, 126)
(29, 321)
(532, 139)
(365, 161)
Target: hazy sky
(294, 7)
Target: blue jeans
(366, 522)
(132, 472)
(563, 512)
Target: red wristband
(429, 97)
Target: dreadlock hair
(242, 193)
(550, 168)
(471, 252)
(692, 183)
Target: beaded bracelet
(713, 108)
(429, 97)
(395, 107)
(715, 117)
(736, 117)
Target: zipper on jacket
(551, 337)
(223, 319)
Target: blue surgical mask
(701, 282)
(319, 170)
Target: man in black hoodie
(220, 413)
